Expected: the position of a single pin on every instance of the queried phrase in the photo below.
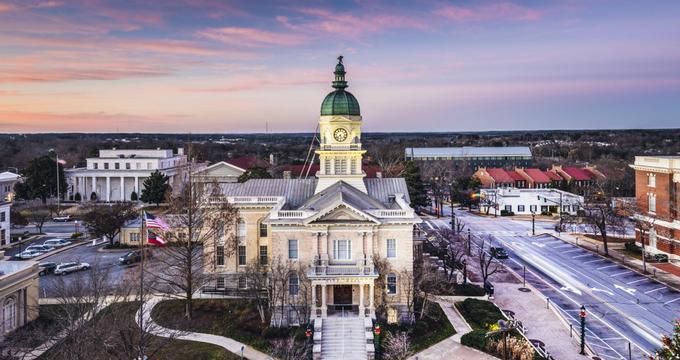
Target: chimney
(287, 175)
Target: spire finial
(339, 82)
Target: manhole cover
(523, 289)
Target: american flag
(153, 222)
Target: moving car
(65, 268)
(499, 253)
(133, 257)
(46, 268)
(28, 254)
(65, 218)
(39, 248)
(55, 243)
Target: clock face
(340, 134)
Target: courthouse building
(332, 224)
(115, 174)
(657, 192)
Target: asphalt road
(623, 306)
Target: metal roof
(468, 151)
(346, 194)
(381, 188)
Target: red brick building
(657, 189)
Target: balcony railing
(324, 268)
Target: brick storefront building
(657, 185)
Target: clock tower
(340, 152)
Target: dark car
(133, 257)
(499, 253)
(656, 258)
(46, 268)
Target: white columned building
(116, 173)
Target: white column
(137, 185)
(323, 301)
(362, 313)
(83, 188)
(314, 307)
(94, 186)
(371, 295)
(122, 188)
(108, 188)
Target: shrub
(76, 235)
(475, 339)
(77, 197)
(133, 196)
(479, 313)
(469, 289)
(274, 332)
(120, 246)
(630, 246)
(93, 196)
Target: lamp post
(582, 314)
(533, 222)
(464, 271)
(308, 334)
(453, 215)
(468, 242)
(376, 333)
(57, 164)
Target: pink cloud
(251, 37)
(496, 11)
(20, 121)
(5, 7)
(263, 79)
(348, 24)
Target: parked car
(55, 243)
(39, 248)
(65, 218)
(656, 258)
(28, 254)
(46, 268)
(499, 253)
(133, 257)
(65, 268)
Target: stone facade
(18, 294)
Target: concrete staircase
(343, 338)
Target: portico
(346, 295)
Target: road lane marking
(571, 251)
(592, 261)
(606, 267)
(621, 273)
(674, 300)
(657, 289)
(580, 256)
(636, 281)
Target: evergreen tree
(416, 187)
(155, 188)
(40, 180)
(671, 345)
(255, 172)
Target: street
(623, 306)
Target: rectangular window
(148, 165)
(95, 166)
(391, 248)
(391, 284)
(2, 216)
(241, 232)
(533, 208)
(241, 255)
(127, 166)
(292, 249)
(565, 208)
(139, 165)
(520, 208)
(106, 166)
(342, 250)
(263, 255)
(327, 166)
(3, 233)
(263, 230)
(651, 198)
(134, 236)
(117, 166)
(353, 167)
(219, 255)
(651, 180)
(293, 285)
(508, 207)
(242, 282)
(220, 283)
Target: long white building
(526, 201)
(115, 174)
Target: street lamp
(453, 215)
(533, 222)
(57, 164)
(376, 332)
(582, 314)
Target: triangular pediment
(342, 213)
(221, 169)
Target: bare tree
(288, 349)
(257, 280)
(598, 213)
(454, 249)
(106, 221)
(397, 347)
(488, 265)
(388, 156)
(37, 215)
(196, 218)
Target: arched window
(293, 284)
(241, 232)
(391, 284)
(9, 311)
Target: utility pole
(468, 242)
(582, 314)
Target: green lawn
(233, 318)
(119, 326)
(433, 328)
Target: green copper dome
(340, 102)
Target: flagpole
(143, 238)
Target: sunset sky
(211, 66)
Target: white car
(65, 268)
(39, 248)
(66, 218)
(29, 254)
(55, 243)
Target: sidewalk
(230, 345)
(541, 323)
(451, 348)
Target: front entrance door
(342, 294)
